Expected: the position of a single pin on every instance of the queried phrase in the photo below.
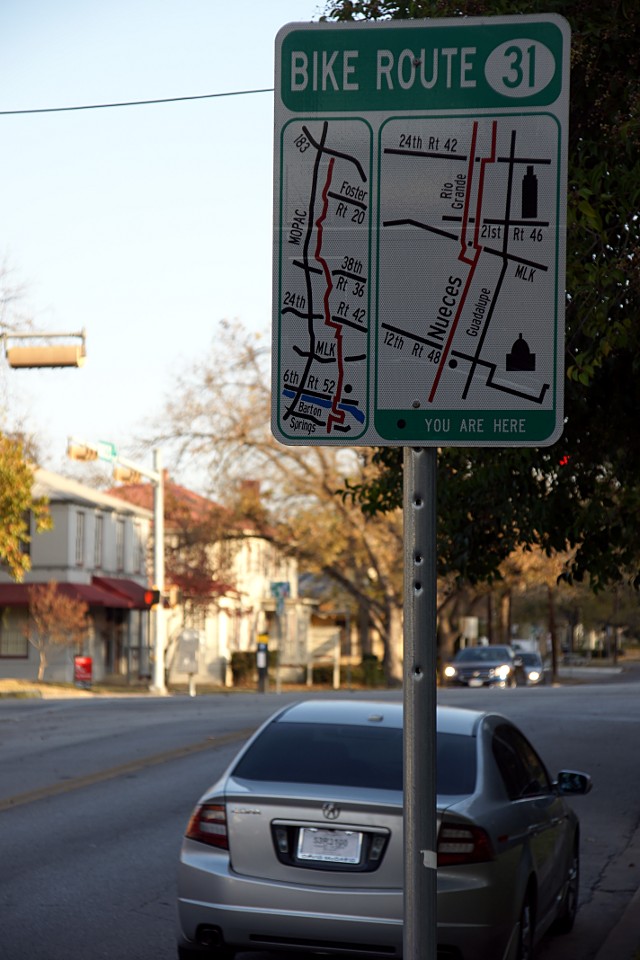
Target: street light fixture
(132, 472)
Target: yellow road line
(76, 783)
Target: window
(13, 643)
(79, 538)
(522, 770)
(120, 545)
(98, 545)
(351, 755)
(140, 548)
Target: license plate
(475, 682)
(329, 846)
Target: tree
(55, 619)
(16, 454)
(222, 419)
(531, 568)
(17, 503)
(11, 295)
(583, 494)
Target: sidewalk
(623, 942)
(31, 689)
(588, 672)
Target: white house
(250, 590)
(97, 551)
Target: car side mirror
(518, 662)
(573, 782)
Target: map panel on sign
(467, 274)
(323, 295)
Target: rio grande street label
(419, 219)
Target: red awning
(127, 590)
(92, 595)
(17, 595)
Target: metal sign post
(418, 288)
(420, 605)
(280, 590)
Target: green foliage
(584, 492)
(16, 503)
(243, 667)
(370, 673)
(322, 674)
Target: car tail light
(208, 824)
(462, 843)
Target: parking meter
(262, 662)
(188, 655)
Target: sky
(142, 225)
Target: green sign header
(423, 66)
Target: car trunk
(317, 835)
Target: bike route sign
(419, 232)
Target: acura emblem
(330, 811)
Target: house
(97, 551)
(228, 584)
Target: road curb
(623, 943)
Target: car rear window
(353, 756)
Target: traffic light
(173, 597)
(126, 475)
(80, 451)
(47, 356)
(152, 597)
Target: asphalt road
(95, 794)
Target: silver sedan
(299, 845)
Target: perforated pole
(420, 664)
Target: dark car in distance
(534, 668)
(485, 666)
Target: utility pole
(160, 629)
(129, 472)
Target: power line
(134, 103)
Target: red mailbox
(82, 671)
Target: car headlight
(534, 676)
(450, 671)
(503, 671)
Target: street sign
(419, 222)
(280, 590)
(107, 451)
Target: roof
(142, 494)
(358, 712)
(182, 504)
(59, 489)
(178, 501)
(382, 713)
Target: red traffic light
(152, 597)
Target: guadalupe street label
(419, 220)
